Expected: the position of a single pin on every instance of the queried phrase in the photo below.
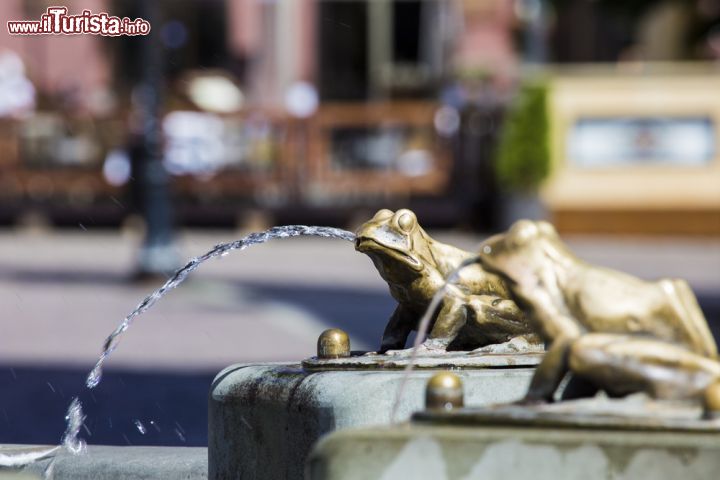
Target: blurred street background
(121, 157)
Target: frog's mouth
(369, 245)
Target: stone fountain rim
(445, 360)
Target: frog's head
(395, 242)
(522, 251)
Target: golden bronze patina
(711, 400)
(476, 310)
(613, 331)
(444, 391)
(333, 343)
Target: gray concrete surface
(459, 453)
(127, 463)
(263, 419)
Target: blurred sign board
(635, 152)
(618, 141)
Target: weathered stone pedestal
(514, 442)
(264, 419)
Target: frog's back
(473, 279)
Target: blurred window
(200, 143)
(49, 140)
(384, 49)
(398, 149)
(343, 42)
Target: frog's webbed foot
(529, 401)
(520, 344)
(428, 347)
(392, 343)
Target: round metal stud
(333, 343)
(712, 401)
(444, 390)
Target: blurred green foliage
(523, 154)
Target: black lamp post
(157, 254)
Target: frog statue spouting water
(610, 330)
(476, 310)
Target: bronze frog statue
(612, 331)
(476, 310)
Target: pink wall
(244, 22)
(306, 42)
(58, 63)
(486, 41)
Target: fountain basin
(111, 462)
(523, 442)
(264, 419)
(106, 462)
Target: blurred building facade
(310, 108)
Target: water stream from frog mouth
(75, 416)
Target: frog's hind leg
(451, 319)
(495, 320)
(624, 364)
(578, 387)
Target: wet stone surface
(264, 419)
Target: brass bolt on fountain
(333, 343)
(711, 402)
(444, 391)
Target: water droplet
(75, 419)
(179, 427)
(140, 427)
(487, 250)
(93, 379)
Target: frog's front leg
(397, 330)
(450, 318)
(540, 298)
(550, 372)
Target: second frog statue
(476, 311)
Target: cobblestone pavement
(62, 293)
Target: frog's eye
(406, 221)
(522, 232)
(546, 229)
(383, 214)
